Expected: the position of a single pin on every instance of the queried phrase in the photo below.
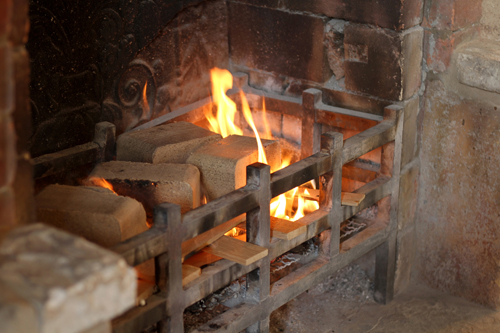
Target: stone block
(334, 42)
(490, 25)
(170, 143)
(382, 62)
(479, 65)
(452, 14)
(286, 43)
(391, 14)
(405, 259)
(152, 184)
(94, 213)
(223, 164)
(410, 123)
(70, 283)
(8, 157)
(16, 313)
(408, 194)
(458, 212)
(439, 46)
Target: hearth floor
(417, 309)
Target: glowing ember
(101, 183)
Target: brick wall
(362, 54)
(16, 184)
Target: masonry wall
(362, 54)
(458, 210)
(16, 184)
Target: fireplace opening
(380, 122)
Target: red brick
(7, 152)
(6, 86)
(5, 15)
(22, 110)
(19, 22)
(278, 41)
(381, 62)
(439, 46)
(392, 14)
(7, 209)
(452, 14)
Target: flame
(248, 117)
(101, 182)
(283, 205)
(268, 133)
(223, 123)
(145, 97)
(232, 233)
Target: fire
(101, 183)
(223, 123)
(291, 205)
(232, 233)
(145, 97)
(283, 205)
(248, 117)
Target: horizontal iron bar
(289, 287)
(298, 173)
(224, 271)
(368, 140)
(143, 246)
(66, 159)
(218, 211)
(141, 317)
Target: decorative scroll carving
(83, 67)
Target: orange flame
(232, 233)
(145, 98)
(283, 205)
(223, 123)
(268, 133)
(248, 117)
(101, 182)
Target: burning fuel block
(152, 184)
(171, 143)
(223, 164)
(95, 213)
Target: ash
(351, 283)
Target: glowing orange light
(101, 183)
(223, 123)
(145, 98)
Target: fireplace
(340, 85)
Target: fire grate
(324, 157)
(350, 228)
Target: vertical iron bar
(259, 233)
(311, 130)
(385, 266)
(105, 137)
(168, 267)
(331, 188)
